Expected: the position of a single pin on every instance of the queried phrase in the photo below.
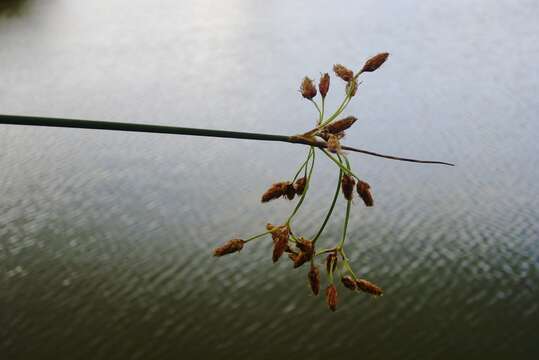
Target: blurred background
(106, 237)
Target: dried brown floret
(275, 191)
(290, 191)
(340, 125)
(331, 297)
(280, 243)
(305, 246)
(368, 287)
(323, 86)
(314, 279)
(299, 185)
(375, 62)
(347, 184)
(348, 282)
(331, 262)
(343, 72)
(333, 144)
(306, 252)
(363, 189)
(308, 90)
(231, 246)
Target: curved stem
(302, 165)
(347, 215)
(257, 236)
(341, 166)
(330, 208)
(307, 185)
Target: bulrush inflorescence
(330, 131)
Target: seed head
(348, 282)
(306, 252)
(333, 144)
(314, 279)
(307, 88)
(347, 184)
(340, 125)
(299, 185)
(323, 86)
(343, 72)
(331, 262)
(351, 87)
(290, 191)
(331, 297)
(375, 62)
(231, 246)
(363, 189)
(368, 287)
(280, 243)
(275, 191)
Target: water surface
(106, 238)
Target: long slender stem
(257, 236)
(348, 205)
(337, 191)
(307, 185)
(119, 126)
(317, 108)
(302, 165)
(341, 166)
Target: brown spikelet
(307, 88)
(275, 191)
(333, 144)
(280, 243)
(300, 259)
(331, 262)
(269, 227)
(343, 72)
(299, 185)
(375, 62)
(293, 256)
(351, 87)
(323, 86)
(306, 252)
(290, 191)
(314, 279)
(331, 297)
(363, 189)
(340, 125)
(348, 282)
(368, 287)
(347, 184)
(231, 246)
(305, 246)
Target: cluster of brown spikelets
(302, 250)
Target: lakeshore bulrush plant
(305, 251)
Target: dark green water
(106, 238)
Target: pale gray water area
(106, 237)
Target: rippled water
(106, 238)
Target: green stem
(343, 168)
(347, 215)
(324, 251)
(317, 108)
(330, 208)
(302, 165)
(307, 185)
(257, 236)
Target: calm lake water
(106, 238)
